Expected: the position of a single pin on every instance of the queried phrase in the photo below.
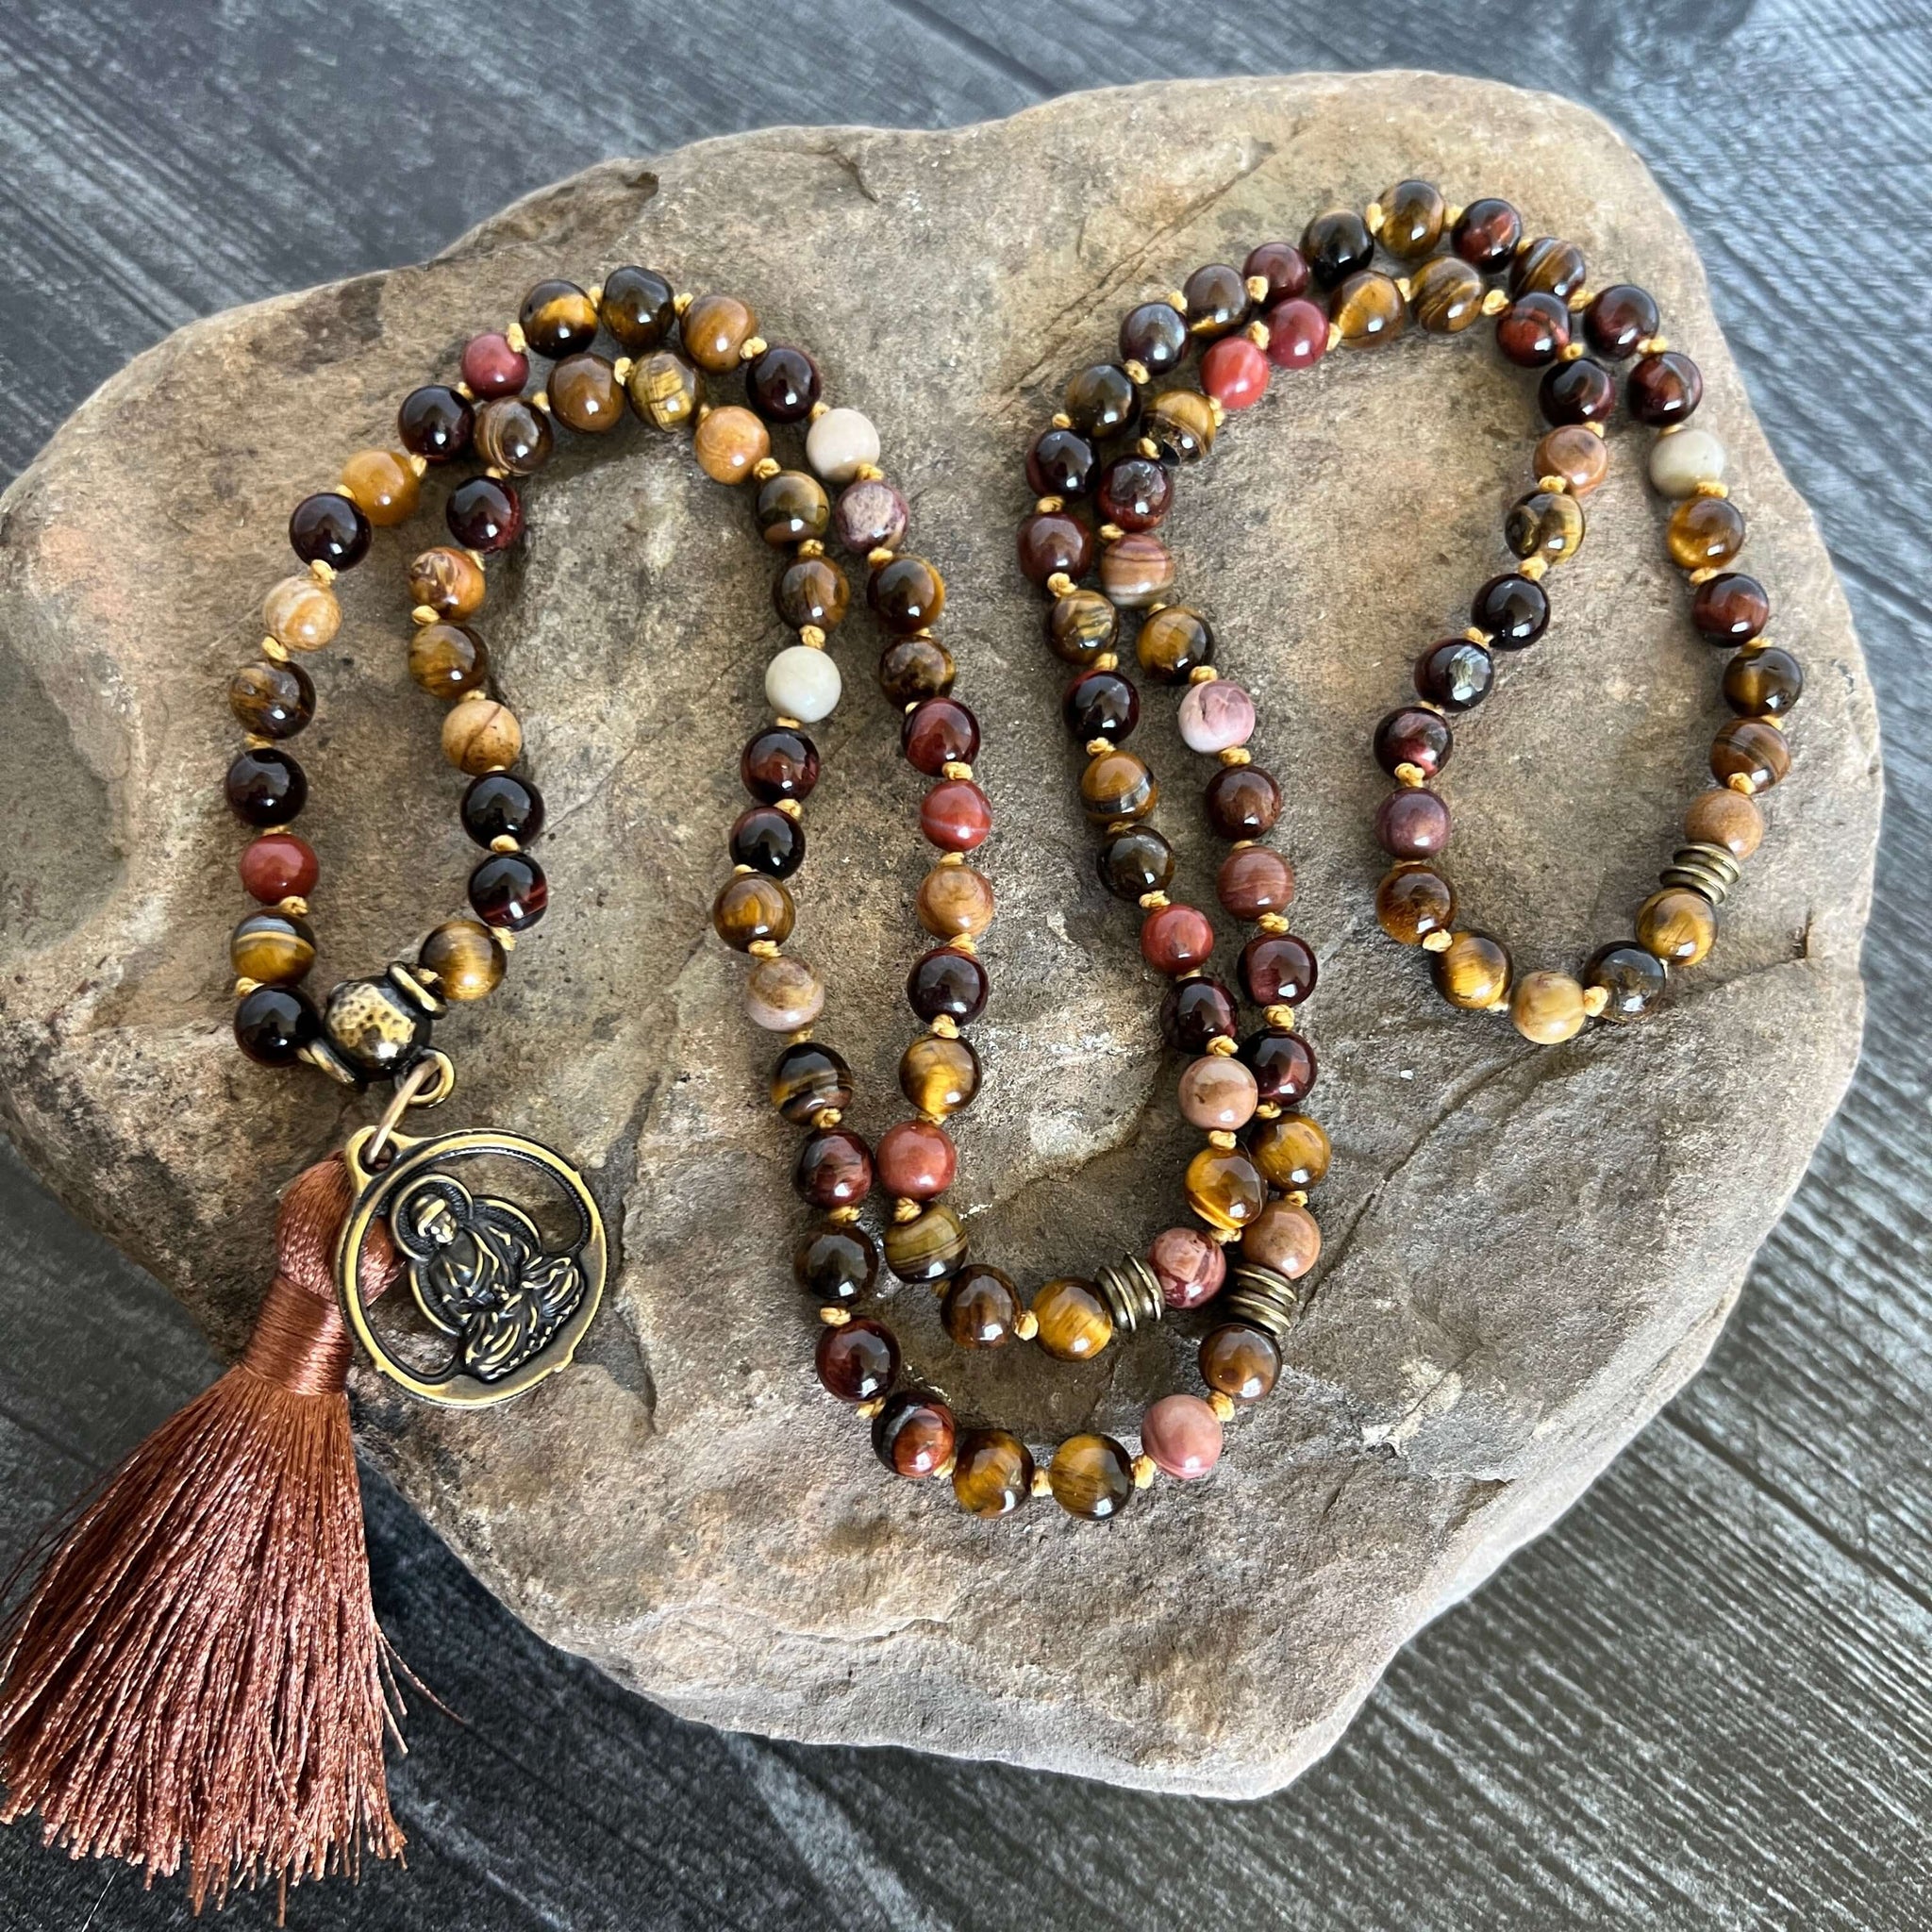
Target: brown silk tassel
(198, 1673)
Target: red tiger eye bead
(1254, 880)
(956, 815)
(938, 733)
(1412, 825)
(914, 1434)
(277, 866)
(1134, 492)
(916, 1161)
(1234, 371)
(493, 368)
(1050, 542)
(1277, 968)
(1176, 939)
(834, 1169)
(858, 1362)
(1297, 333)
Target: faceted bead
(435, 422)
(1243, 802)
(1235, 372)
(1217, 1094)
(1703, 533)
(1533, 331)
(1252, 880)
(1546, 524)
(1176, 939)
(1156, 336)
(515, 436)
(1752, 749)
(558, 317)
(1369, 310)
(383, 485)
(811, 590)
(916, 1161)
(1727, 818)
(1548, 266)
(981, 1309)
(906, 594)
(779, 763)
(272, 700)
(639, 308)
(1183, 1437)
(1217, 301)
(1101, 400)
(1074, 1324)
(946, 984)
(792, 506)
(1473, 971)
(508, 892)
(1290, 1150)
(749, 908)
(782, 385)
(1547, 1007)
(870, 515)
(940, 732)
(1620, 317)
(1280, 265)
(858, 1362)
(1731, 609)
(1052, 542)
(1174, 641)
(327, 528)
(1181, 422)
(1413, 215)
(1116, 785)
(715, 328)
(807, 1077)
(1224, 1187)
(1197, 1012)
(927, 1248)
(1412, 902)
(663, 390)
(374, 1025)
(1103, 704)
(939, 1076)
(803, 683)
(491, 368)
(1216, 716)
(1454, 673)
(993, 1474)
(448, 660)
(913, 1435)
(273, 947)
(956, 902)
(840, 443)
(465, 958)
(499, 805)
(1682, 461)
(833, 1169)
(1283, 1064)
(1061, 464)
(783, 994)
(1135, 862)
(1092, 1477)
(266, 788)
(729, 443)
(836, 1264)
(1190, 1266)
(1137, 572)
(1297, 333)
(445, 581)
(956, 815)
(278, 866)
(1447, 295)
(1633, 978)
(1413, 736)
(1577, 392)
(1337, 245)
(1578, 457)
(484, 513)
(1677, 926)
(302, 615)
(1664, 389)
(1277, 968)
(1284, 1238)
(1134, 492)
(481, 735)
(1240, 1361)
(274, 1024)
(585, 395)
(1413, 824)
(1485, 234)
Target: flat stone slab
(1528, 1249)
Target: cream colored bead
(803, 683)
(481, 735)
(300, 614)
(783, 994)
(1679, 462)
(839, 442)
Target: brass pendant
(510, 1303)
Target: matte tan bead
(383, 485)
(445, 581)
(783, 994)
(1074, 1324)
(715, 328)
(729, 443)
(1283, 1236)
(465, 958)
(300, 614)
(1727, 818)
(1578, 455)
(481, 735)
(954, 900)
(1473, 971)
(663, 390)
(1292, 1151)
(1547, 1007)
(1676, 925)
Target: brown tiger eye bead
(1763, 684)
(913, 1435)
(1243, 802)
(858, 1362)
(1447, 295)
(1134, 492)
(1412, 902)
(792, 506)
(446, 581)
(1074, 1324)
(981, 1308)
(558, 317)
(1217, 299)
(1053, 542)
(1533, 331)
(749, 908)
(1664, 389)
(1473, 971)
(1676, 925)
(1240, 1361)
(812, 589)
(833, 1169)
(663, 390)
(1413, 215)
(1101, 400)
(993, 1474)
(465, 958)
(1181, 422)
(1619, 318)
(929, 1247)
(955, 901)
(1578, 455)
(836, 1264)
(512, 435)
(273, 947)
(1173, 641)
(809, 1078)
(1081, 625)
(907, 595)
(730, 443)
(939, 1076)
(639, 308)
(1751, 749)
(1632, 979)
(585, 394)
(1223, 1188)
(1704, 532)
(1116, 785)
(272, 700)
(1252, 880)
(1092, 1477)
(1290, 1150)
(447, 659)
(1546, 524)
(715, 328)
(1727, 818)
(383, 485)
(1731, 609)
(1485, 233)
(1549, 267)
(1368, 308)
(912, 668)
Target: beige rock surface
(1528, 1251)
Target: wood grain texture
(1703, 1699)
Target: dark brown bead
(1135, 862)
(1173, 642)
(1633, 978)
(274, 1024)
(1548, 267)
(811, 590)
(1620, 317)
(1081, 625)
(1664, 389)
(1582, 390)
(1281, 265)
(1061, 464)
(435, 422)
(1454, 673)
(329, 529)
(768, 840)
(1217, 299)
(1102, 703)
(993, 1474)
(1413, 901)
(914, 1434)
(1101, 400)
(751, 907)
(858, 1362)
(585, 394)
(778, 763)
(1134, 492)
(266, 788)
(499, 805)
(1731, 609)
(1156, 336)
(912, 669)
(1335, 246)
(1545, 523)
(833, 1169)
(940, 732)
(1243, 802)
(1750, 748)
(1533, 330)
(1485, 234)
(1413, 736)
(558, 317)
(1054, 541)
(809, 1077)
(981, 1308)
(1197, 1011)
(1277, 968)
(1282, 1062)
(1117, 785)
(639, 308)
(1252, 880)
(792, 506)
(1240, 1361)
(272, 700)
(1763, 684)
(1413, 824)
(1515, 610)
(907, 595)
(484, 513)
(947, 984)
(1413, 214)
(1092, 1477)
(511, 435)
(782, 384)
(836, 1264)
(508, 890)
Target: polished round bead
(782, 384)
(1182, 423)
(992, 1473)
(956, 815)
(1217, 1094)
(1197, 1012)
(1413, 736)
(930, 1247)
(1061, 464)
(1578, 456)
(1092, 1477)
(274, 1024)
(558, 317)
(783, 994)
(836, 1264)
(1454, 673)
(1134, 861)
(1053, 542)
(302, 615)
(906, 594)
(481, 735)
(499, 805)
(328, 529)
(1753, 750)
(916, 1161)
(383, 485)
(515, 436)
(1235, 372)
(508, 892)
(639, 307)
(272, 700)
(663, 390)
(1575, 393)
(1412, 902)
(792, 506)
(1136, 570)
(1763, 683)
(1731, 609)
(585, 395)
(1485, 234)
(780, 762)
(1074, 1324)
(1172, 642)
(1283, 1064)
(913, 669)
(1335, 246)
(1224, 1187)
(1727, 818)
(1620, 317)
(833, 1169)
(465, 958)
(1216, 296)
(750, 907)
(1548, 266)
(1240, 1361)
(278, 866)
(914, 1434)
(955, 902)
(1281, 265)
(812, 591)
(1632, 978)
(945, 984)
(1283, 1238)
(858, 1362)
(491, 368)
(1254, 879)
(1242, 801)
(1277, 968)
(1677, 926)
(1547, 1007)
(715, 328)
(484, 513)
(1546, 524)
(1686, 459)
(1101, 400)
(1533, 331)
(1446, 294)
(1297, 333)
(1369, 310)
(939, 732)
(982, 1308)
(939, 1076)
(1413, 217)
(266, 787)
(730, 443)
(1182, 1436)
(1134, 492)
(1473, 971)
(809, 1078)
(840, 443)
(435, 422)
(870, 515)
(803, 683)
(1291, 1150)
(1103, 704)
(1216, 716)
(273, 947)
(1156, 336)
(1515, 610)
(1413, 824)
(444, 581)
(1190, 1266)
(1116, 785)
(1176, 939)
(1703, 533)
(1663, 389)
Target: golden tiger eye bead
(1092, 1477)
(1578, 455)
(749, 908)
(445, 581)
(939, 1076)
(1082, 624)
(1225, 1188)
(383, 486)
(1240, 1361)
(558, 317)
(1414, 213)
(513, 436)
(447, 659)
(663, 390)
(1749, 749)
(792, 506)
(1290, 1150)
(1173, 641)
(1727, 818)
(465, 958)
(1413, 901)
(1546, 524)
(272, 700)
(1761, 683)
(1676, 925)
(1473, 971)
(1181, 422)
(1704, 532)
(1075, 1324)
(585, 394)
(715, 328)
(929, 1247)
(1368, 308)
(1447, 294)
(730, 443)
(273, 947)
(992, 1473)
(300, 614)
(481, 735)
(813, 590)
(954, 900)
(1116, 785)
(1547, 1007)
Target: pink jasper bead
(916, 1161)
(1216, 716)
(1190, 1267)
(1297, 334)
(1183, 1436)
(493, 368)
(1176, 939)
(1284, 1238)
(1235, 372)
(1218, 1093)
(956, 815)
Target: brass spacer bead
(1273, 921)
(791, 809)
(1145, 1469)
(956, 768)
(834, 1317)
(1223, 1047)
(1223, 1407)
(1236, 755)
(1279, 1016)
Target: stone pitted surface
(1528, 1249)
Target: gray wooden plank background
(1706, 1699)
